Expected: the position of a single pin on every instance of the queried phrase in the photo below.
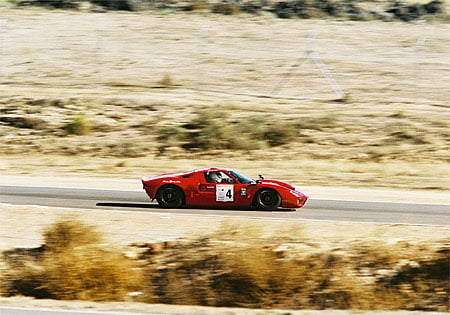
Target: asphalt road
(315, 209)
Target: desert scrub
(210, 129)
(80, 125)
(241, 266)
(226, 8)
(213, 128)
(8, 3)
(238, 265)
(280, 133)
(328, 121)
(67, 234)
(72, 264)
(169, 136)
(25, 122)
(198, 5)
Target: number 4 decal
(224, 193)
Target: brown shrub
(227, 8)
(67, 233)
(198, 5)
(237, 266)
(73, 265)
(167, 81)
(24, 122)
(88, 273)
(212, 128)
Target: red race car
(221, 187)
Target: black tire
(267, 199)
(170, 196)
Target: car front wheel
(170, 197)
(267, 199)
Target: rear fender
(149, 187)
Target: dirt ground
(141, 308)
(22, 227)
(133, 74)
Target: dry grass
(239, 267)
(72, 264)
(276, 164)
(213, 129)
(67, 234)
(227, 8)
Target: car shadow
(156, 206)
(127, 205)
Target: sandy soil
(111, 67)
(22, 227)
(129, 53)
(162, 309)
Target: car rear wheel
(170, 197)
(267, 199)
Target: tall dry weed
(67, 233)
(73, 264)
(242, 266)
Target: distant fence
(277, 58)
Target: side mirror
(260, 176)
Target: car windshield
(241, 178)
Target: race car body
(221, 187)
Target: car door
(227, 192)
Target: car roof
(212, 169)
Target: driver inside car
(215, 177)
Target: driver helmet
(215, 177)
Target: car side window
(218, 177)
